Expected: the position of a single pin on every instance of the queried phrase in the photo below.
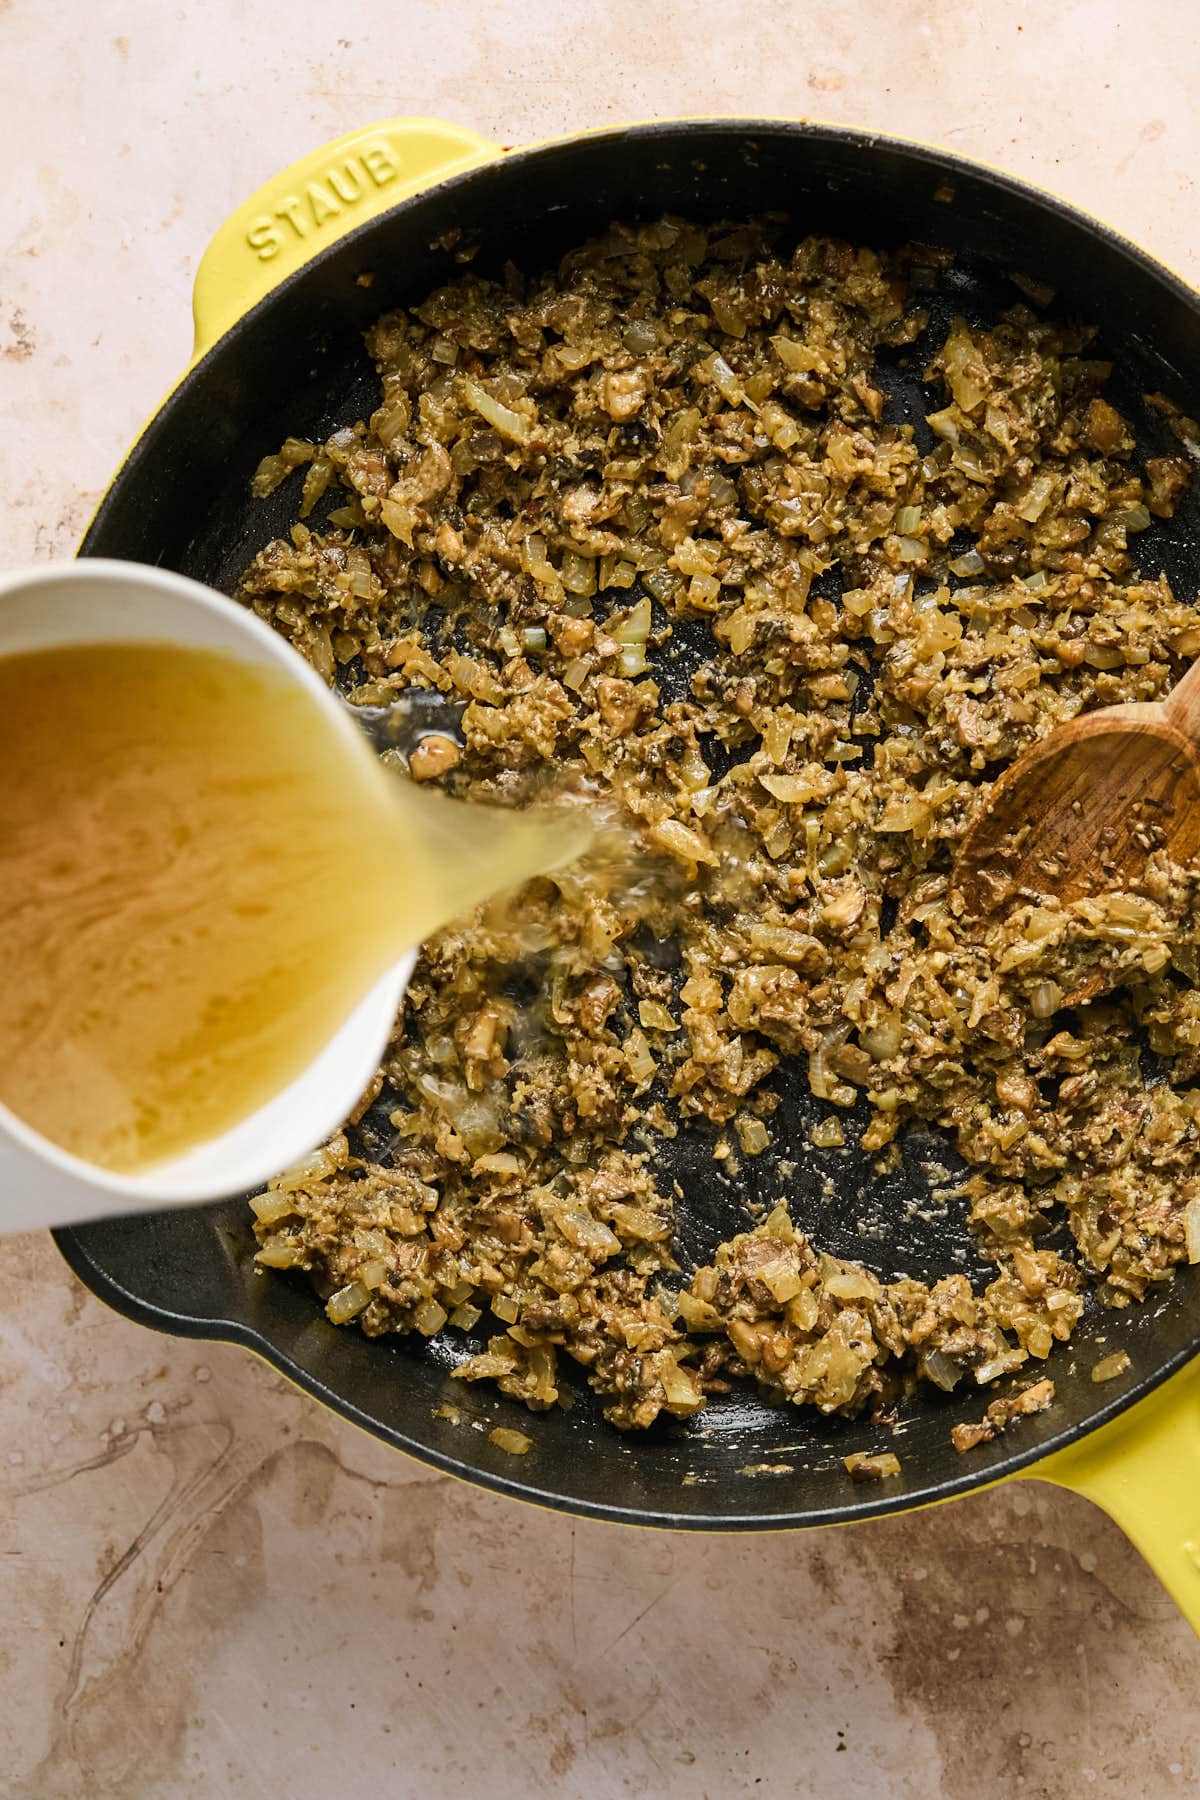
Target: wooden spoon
(1081, 811)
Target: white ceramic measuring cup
(97, 601)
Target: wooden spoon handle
(1182, 705)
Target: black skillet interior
(296, 365)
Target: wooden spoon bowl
(1081, 811)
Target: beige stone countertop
(209, 1586)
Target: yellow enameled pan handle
(1144, 1471)
(315, 202)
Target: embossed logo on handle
(335, 191)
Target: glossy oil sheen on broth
(198, 882)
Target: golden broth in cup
(199, 880)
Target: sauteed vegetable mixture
(648, 530)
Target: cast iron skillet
(295, 364)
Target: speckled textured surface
(207, 1584)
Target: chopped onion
(500, 1162)
(794, 356)
(787, 945)
(347, 1302)
(698, 1315)
(913, 814)
(704, 591)
(274, 469)
(754, 1138)
(682, 1388)
(728, 315)
(827, 1134)
(962, 363)
(944, 1373)
(794, 790)
(513, 1443)
(513, 425)
(740, 629)
(779, 426)
(944, 424)
(861, 1465)
(640, 1062)
(1004, 1364)
(881, 1042)
(694, 771)
(314, 1167)
(725, 381)
(835, 858)
(429, 1317)
(683, 842)
(804, 1310)
(1037, 498)
(851, 1284)
(639, 1222)
(634, 627)
(284, 1253)
(615, 572)
(655, 1016)
(578, 573)
(535, 561)
(586, 1233)
(697, 556)
(1045, 999)
(272, 1206)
